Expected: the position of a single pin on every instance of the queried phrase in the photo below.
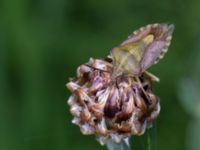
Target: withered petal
(111, 108)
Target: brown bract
(111, 107)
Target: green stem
(152, 138)
(149, 145)
(123, 145)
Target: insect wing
(143, 48)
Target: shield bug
(142, 49)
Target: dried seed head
(111, 108)
(113, 98)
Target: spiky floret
(113, 98)
(111, 108)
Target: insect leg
(153, 77)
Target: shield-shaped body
(142, 49)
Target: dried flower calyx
(112, 98)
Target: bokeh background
(42, 42)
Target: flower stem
(123, 145)
(152, 138)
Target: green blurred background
(42, 42)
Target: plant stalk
(123, 145)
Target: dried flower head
(112, 97)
